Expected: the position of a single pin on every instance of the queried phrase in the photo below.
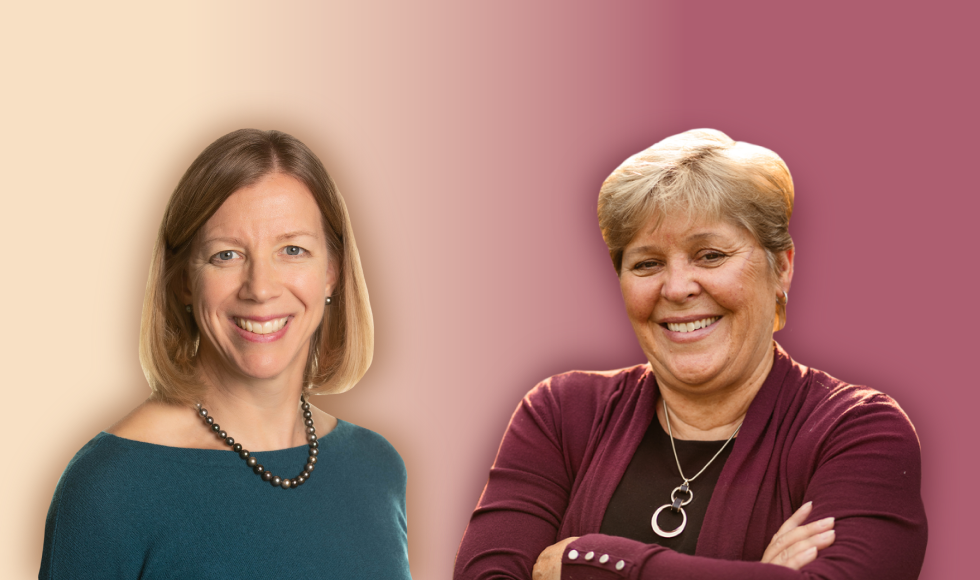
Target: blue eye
(227, 255)
(294, 250)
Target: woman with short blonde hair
(255, 300)
(720, 457)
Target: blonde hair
(340, 350)
(701, 173)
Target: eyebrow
(691, 238)
(279, 238)
(296, 234)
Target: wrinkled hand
(548, 566)
(796, 545)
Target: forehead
(276, 204)
(680, 228)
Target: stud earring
(785, 299)
(328, 301)
(188, 308)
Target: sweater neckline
(214, 456)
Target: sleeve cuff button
(603, 558)
(589, 556)
(573, 555)
(620, 565)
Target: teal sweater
(127, 509)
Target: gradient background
(470, 142)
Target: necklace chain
(253, 462)
(677, 503)
(674, 449)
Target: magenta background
(470, 142)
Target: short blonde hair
(340, 350)
(702, 173)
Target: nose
(680, 282)
(261, 281)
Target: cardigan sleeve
(525, 498)
(865, 473)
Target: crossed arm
(878, 531)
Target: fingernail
(826, 522)
(827, 535)
(808, 504)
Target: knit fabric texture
(128, 509)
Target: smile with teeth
(257, 327)
(691, 326)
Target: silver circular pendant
(671, 533)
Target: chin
(262, 369)
(692, 370)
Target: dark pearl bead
(309, 467)
(309, 422)
(286, 483)
(311, 459)
(314, 444)
(229, 441)
(251, 462)
(238, 449)
(210, 420)
(310, 430)
(314, 450)
(215, 427)
(244, 454)
(203, 412)
(258, 469)
(222, 434)
(300, 479)
(311, 437)
(306, 406)
(275, 480)
(307, 414)
(266, 475)
(305, 474)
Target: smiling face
(258, 277)
(702, 301)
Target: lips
(256, 327)
(684, 327)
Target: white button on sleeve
(589, 556)
(603, 558)
(620, 565)
(573, 555)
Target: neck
(262, 414)
(712, 415)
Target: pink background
(470, 142)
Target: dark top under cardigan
(806, 437)
(127, 509)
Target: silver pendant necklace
(677, 502)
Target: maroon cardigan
(806, 436)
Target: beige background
(453, 134)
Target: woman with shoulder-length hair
(255, 300)
(721, 457)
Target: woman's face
(702, 301)
(258, 278)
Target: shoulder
(572, 405)
(838, 417)
(580, 388)
(89, 500)
(832, 400)
(160, 423)
(371, 453)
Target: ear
(784, 268)
(182, 287)
(332, 275)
